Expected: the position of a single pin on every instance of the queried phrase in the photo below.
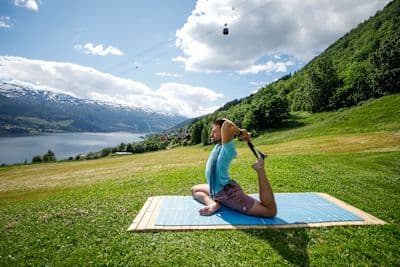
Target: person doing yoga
(221, 189)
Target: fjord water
(64, 145)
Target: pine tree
(322, 81)
(37, 159)
(386, 61)
(205, 136)
(195, 132)
(49, 156)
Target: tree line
(49, 156)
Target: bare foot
(209, 209)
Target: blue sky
(171, 55)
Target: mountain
(362, 64)
(24, 110)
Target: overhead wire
(135, 59)
(137, 56)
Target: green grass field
(77, 213)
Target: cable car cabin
(225, 31)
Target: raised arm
(229, 130)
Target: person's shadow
(291, 244)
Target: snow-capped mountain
(25, 108)
(9, 89)
(12, 90)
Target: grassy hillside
(77, 213)
(381, 115)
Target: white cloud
(5, 22)
(89, 83)
(99, 50)
(267, 67)
(189, 99)
(258, 28)
(29, 4)
(166, 74)
(178, 59)
(260, 83)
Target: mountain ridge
(25, 110)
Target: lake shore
(18, 149)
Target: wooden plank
(146, 217)
(223, 226)
(368, 218)
(254, 227)
(155, 208)
(139, 216)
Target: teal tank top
(217, 166)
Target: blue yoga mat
(293, 208)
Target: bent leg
(201, 193)
(267, 205)
(260, 210)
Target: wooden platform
(145, 220)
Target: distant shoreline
(39, 133)
(17, 149)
